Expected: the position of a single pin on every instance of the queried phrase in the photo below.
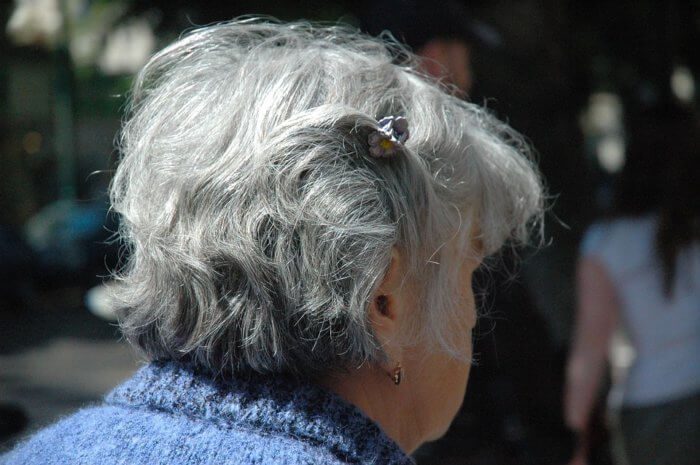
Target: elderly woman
(303, 212)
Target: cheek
(464, 328)
(464, 365)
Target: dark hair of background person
(660, 175)
(416, 22)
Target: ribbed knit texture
(170, 414)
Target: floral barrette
(389, 138)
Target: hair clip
(389, 138)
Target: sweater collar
(273, 405)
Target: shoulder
(170, 413)
(66, 440)
(619, 239)
(115, 434)
(593, 238)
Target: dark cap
(416, 22)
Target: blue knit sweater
(170, 414)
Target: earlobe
(385, 327)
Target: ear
(390, 302)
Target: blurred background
(572, 76)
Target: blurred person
(640, 270)
(303, 217)
(442, 36)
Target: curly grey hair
(257, 223)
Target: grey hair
(258, 225)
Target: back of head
(417, 22)
(258, 223)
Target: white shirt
(665, 332)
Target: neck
(371, 390)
